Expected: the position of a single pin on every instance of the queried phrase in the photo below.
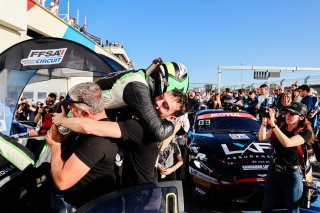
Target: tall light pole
(241, 76)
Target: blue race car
(226, 159)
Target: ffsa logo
(44, 57)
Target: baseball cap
(298, 108)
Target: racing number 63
(205, 122)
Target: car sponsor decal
(202, 176)
(44, 57)
(254, 147)
(249, 158)
(201, 157)
(239, 136)
(224, 114)
(199, 191)
(254, 167)
(201, 182)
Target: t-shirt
(98, 154)
(168, 156)
(140, 154)
(289, 156)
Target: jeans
(289, 183)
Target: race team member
(140, 149)
(83, 165)
(284, 172)
(136, 90)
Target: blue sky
(203, 34)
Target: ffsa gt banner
(41, 57)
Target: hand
(40, 110)
(272, 119)
(58, 117)
(161, 168)
(53, 136)
(168, 171)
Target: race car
(226, 159)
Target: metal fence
(313, 81)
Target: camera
(24, 106)
(49, 109)
(265, 111)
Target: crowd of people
(290, 119)
(83, 161)
(146, 141)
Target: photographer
(45, 114)
(284, 172)
(25, 109)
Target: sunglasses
(70, 101)
(292, 113)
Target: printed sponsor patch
(44, 57)
(255, 167)
(239, 136)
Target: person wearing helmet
(136, 90)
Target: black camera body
(49, 109)
(24, 106)
(265, 111)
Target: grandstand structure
(25, 19)
(21, 20)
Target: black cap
(298, 108)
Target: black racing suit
(135, 89)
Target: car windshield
(226, 124)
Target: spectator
(181, 140)
(296, 95)
(193, 106)
(280, 95)
(285, 102)
(25, 110)
(284, 172)
(44, 115)
(39, 105)
(307, 99)
(310, 101)
(264, 99)
(42, 2)
(250, 104)
(241, 98)
(54, 7)
(217, 102)
(226, 93)
(167, 166)
(72, 22)
(293, 89)
(83, 29)
(83, 165)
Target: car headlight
(203, 167)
